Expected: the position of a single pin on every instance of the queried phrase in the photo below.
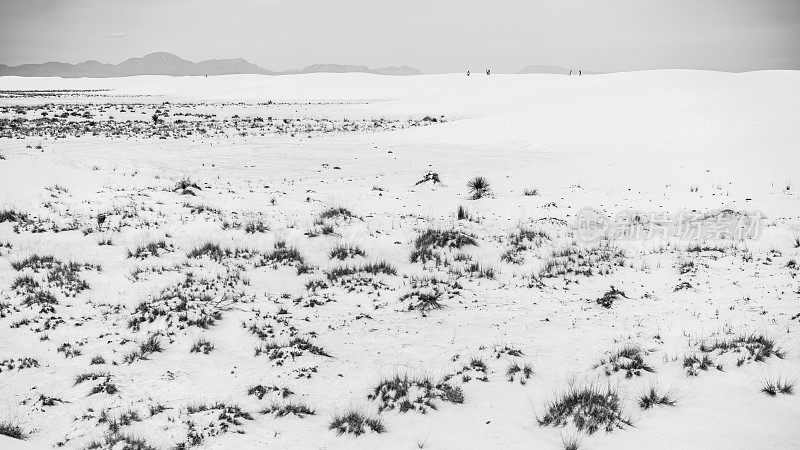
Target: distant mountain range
(162, 63)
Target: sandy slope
(635, 140)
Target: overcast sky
(431, 35)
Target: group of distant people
(571, 72)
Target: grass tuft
(588, 408)
(653, 398)
(628, 359)
(356, 423)
(11, 430)
(281, 410)
(773, 387)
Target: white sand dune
(657, 141)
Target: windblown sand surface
(244, 261)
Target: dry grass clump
(256, 226)
(429, 176)
(433, 239)
(523, 372)
(283, 254)
(588, 408)
(405, 393)
(372, 268)
(753, 347)
(202, 345)
(462, 213)
(775, 386)
(694, 364)
(260, 391)
(610, 297)
(652, 398)
(281, 410)
(338, 212)
(11, 430)
(583, 261)
(149, 346)
(522, 240)
(628, 359)
(356, 423)
(185, 186)
(344, 251)
(154, 248)
(12, 215)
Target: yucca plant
(479, 187)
